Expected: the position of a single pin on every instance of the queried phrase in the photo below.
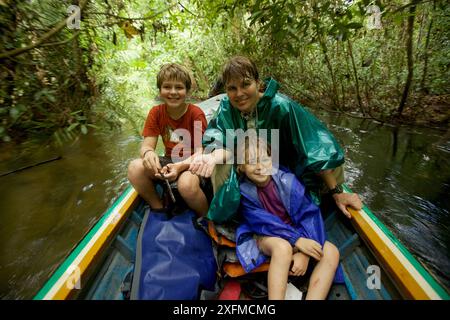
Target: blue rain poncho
(305, 216)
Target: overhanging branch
(136, 18)
(61, 42)
(58, 27)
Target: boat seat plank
(348, 246)
(350, 289)
(109, 280)
(136, 218)
(330, 221)
(354, 261)
(124, 248)
(356, 272)
(109, 287)
(383, 292)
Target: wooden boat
(376, 265)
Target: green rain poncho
(306, 147)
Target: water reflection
(46, 210)
(403, 176)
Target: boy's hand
(171, 172)
(151, 162)
(310, 247)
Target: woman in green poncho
(306, 147)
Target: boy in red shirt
(178, 123)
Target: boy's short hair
(239, 67)
(174, 71)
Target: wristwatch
(337, 189)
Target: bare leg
(323, 274)
(189, 189)
(141, 179)
(219, 175)
(280, 251)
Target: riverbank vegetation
(61, 76)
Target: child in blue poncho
(281, 222)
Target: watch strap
(337, 189)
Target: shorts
(205, 183)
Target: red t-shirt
(174, 132)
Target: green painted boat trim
(76, 251)
(423, 272)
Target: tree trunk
(340, 55)
(355, 74)
(425, 58)
(409, 54)
(333, 78)
(8, 71)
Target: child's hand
(170, 172)
(299, 264)
(310, 247)
(151, 162)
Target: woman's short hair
(239, 67)
(174, 71)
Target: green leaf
(38, 95)
(349, 14)
(73, 126)
(47, 94)
(345, 36)
(292, 8)
(354, 25)
(58, 139)
(14, 113)
(255, 16)
(138, 64)
(84, 129)
(22, 108)
(325, 6)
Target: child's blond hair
(174, 71)
(252, 145)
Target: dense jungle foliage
(61, 76)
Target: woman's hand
(310, 247)
(203, 165)
(151, 162)
(347, 199)
(171, 171)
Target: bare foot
(299, 264)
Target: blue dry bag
(174, 258)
